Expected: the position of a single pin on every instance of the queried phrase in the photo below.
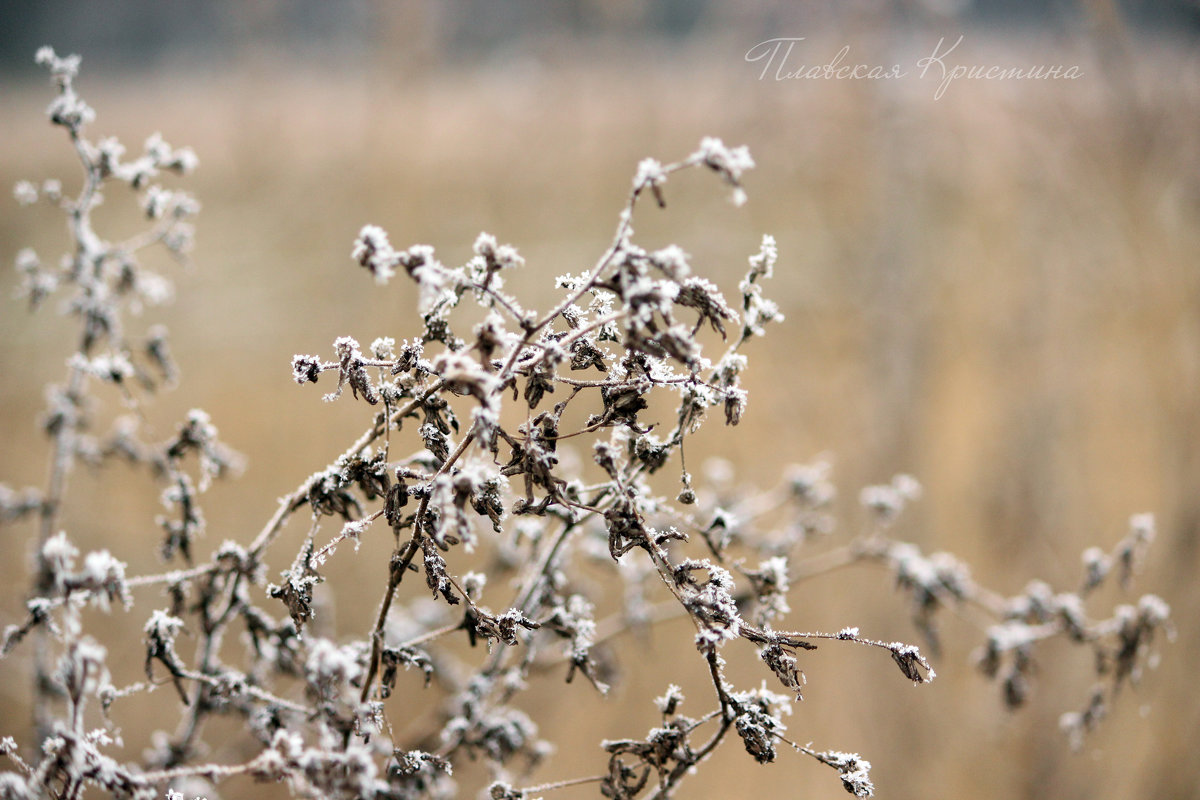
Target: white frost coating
(762, 264)
(673, 261)
(163, 624)
(649, 173)
(730, 161)
(887, 501)
(1142, 526)
(328, 662)
(373, 251)
(25, 193)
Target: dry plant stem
(538, 575)
(88, 254)
(429, 636)
(210, 643)
(399, 565)
(60, 466)
(287, 506)
(827, 562)
(590, 282)
(701, 755)
(505, 487)
(213, 771)
(253, 691)
(564, 784)
(296, 499)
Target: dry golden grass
(998, 292)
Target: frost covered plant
(100, 281)
(501, 536)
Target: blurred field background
(997, 291)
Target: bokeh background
(997, 291)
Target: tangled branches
(469, 469)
